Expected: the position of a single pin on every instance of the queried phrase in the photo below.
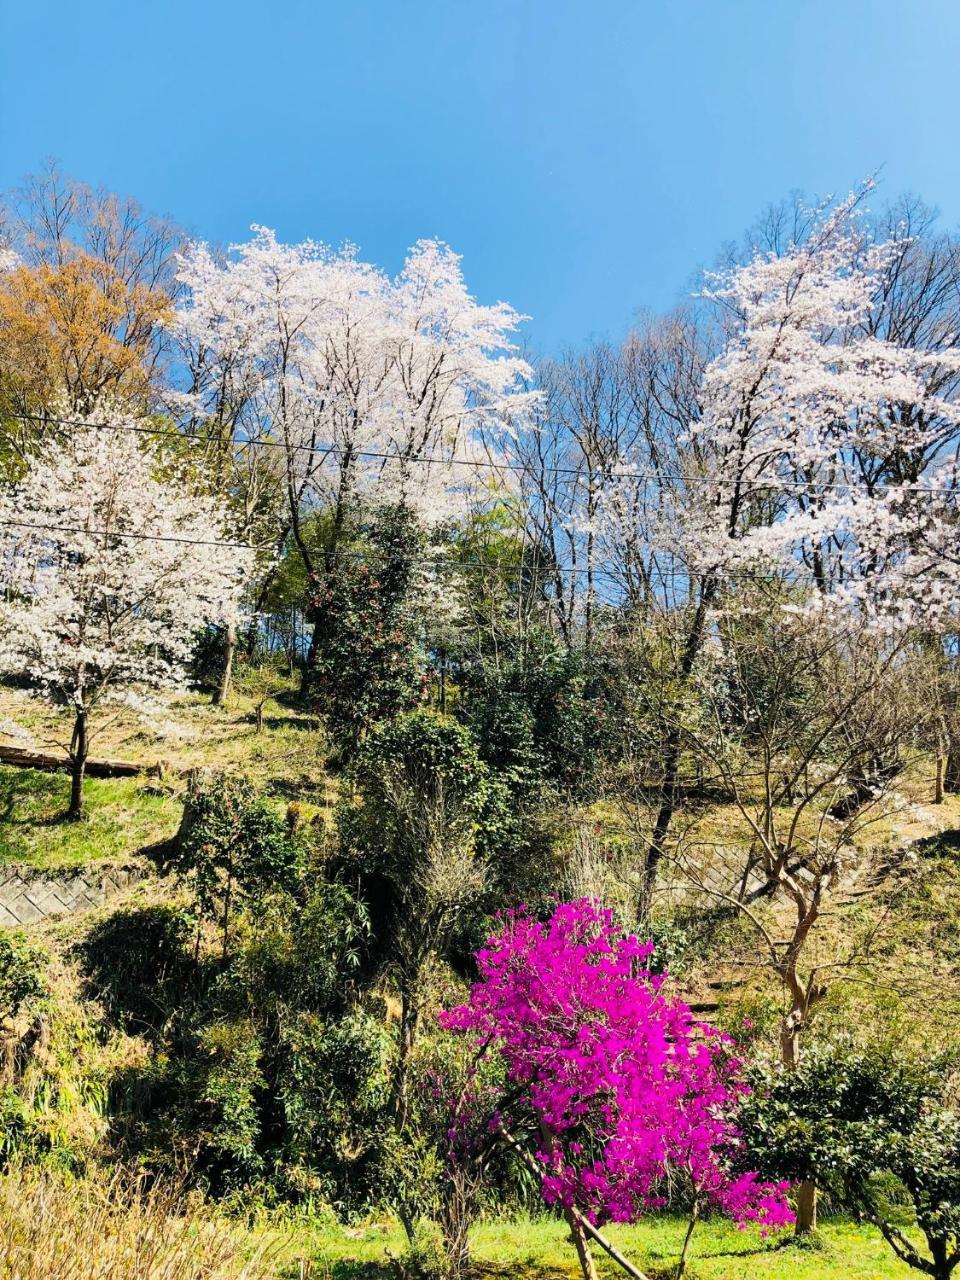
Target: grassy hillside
(890, 942)
(128, 815)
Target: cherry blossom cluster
(627, 1089)
(108, 568)
(833, 453)
(374, 385)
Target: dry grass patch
(117, 1230)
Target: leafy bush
(367, 664)
(139, 966)
(271, 1076)
(233, 848)
(856, 1120)
(541, 716)
(413, 840)
(21, 974)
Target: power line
(657, 574)
(452, 460)
(130, 533)
(545, 570)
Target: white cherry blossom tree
(833, 448)
(108, 567)
(822, 453)
(347, 385)
(354, 377)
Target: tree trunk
(585, 1225)
(806, 1208)
(573, 1221)
(671, 765)
(311, 659)
(96, 766)
(938, 780)
(790, 1052)
(694, 1214)
(408, 1027)
(584, 1256)
(230, 648)
(79, 748)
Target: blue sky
(583, 157)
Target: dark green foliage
(540, 716)
(366, 660)
(853, 1119)
(24, 1137)
(335, 1092)
(21, 974)
(426, 754)
(833, 1117)
(270, 1076)
(208, 657)
(139, 966)
(233, 847)
(412, 841)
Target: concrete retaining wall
(28, 895)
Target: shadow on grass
(513, 1270)
(941, 844)
(22, 790)
(302, 722)
(744, 1253)
(296, 788)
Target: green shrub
(367, 661)
(271, 1079)
(863, 1122)
(22, 966)
(234, 848)
(139, 964)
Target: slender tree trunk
(942, 1264)
(684, 1252)
(574, 1222)
(938, 780)
(790, 1053)
(230, 648)
(79, 749)
(582, 1246)
(306, 675)
(806, 1208)
(671, 765)
(408, 1028)
(585, 1225)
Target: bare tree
(792, 711)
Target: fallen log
(97, 767)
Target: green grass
(539, 1249)
(125, 815)
(122, 817)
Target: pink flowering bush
(627, 1090)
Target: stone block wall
(28, 895)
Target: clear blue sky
(583, 157)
